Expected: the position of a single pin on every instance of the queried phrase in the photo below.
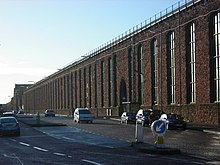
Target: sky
(39, 37)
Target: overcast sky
(38, 37)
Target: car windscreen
(84, 112)
(131, 114)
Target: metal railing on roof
(168, 12)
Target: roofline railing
(168, 12)
(177, 7)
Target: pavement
(139, 146)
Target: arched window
(217, 54)
(154, 71)
(140, 75)
(102, 82)
(191, 63)
(171, 68)
(215, 62)
(131, 73)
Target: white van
(82, 114)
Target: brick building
(169, 62)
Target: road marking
(13, 156)
(92, 162)
(25, 144)
(59, 154)
(40, 149)
(67, 138)
(14, 140)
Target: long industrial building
(169, 62)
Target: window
(154, 64)
(216, 55)
(90, 86)
(140, 75)
(102, 82)
(110, 81)
(191, 65)
(114, 76)
(171, 68)
(85, 88)
(96, 86)
(131, 73)
(76, 88)
(80, 88)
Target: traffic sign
(158, 127)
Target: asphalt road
(191, 142)
(86, 144)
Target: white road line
(59, 154)
(66, 138)
(92, 162)
(13, 140)
(25, 144)
(40, 149)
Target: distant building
(17, 100)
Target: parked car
(82, 114)
(49, 112)
(9, 126)
(9, 114)
(128, 117)
(147, 116)
(174, 121)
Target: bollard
(158, 128)
(159, 142)
(139, 133)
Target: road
(80, 144)
(191, 142)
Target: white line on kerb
(92, 162)
(40, 149)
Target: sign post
(158, 128)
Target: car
(174, 121)
(82, 115)
(128, 117)
(147, 116)
(7, 114)
(9, 126)
(49, 112)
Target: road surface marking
(40, 149)
(92, 162)
(59, 154)
(25, 144)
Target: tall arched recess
(123, 96)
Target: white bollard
(139, 133)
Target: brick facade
(112, 74)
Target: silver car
(82, 114)
(9, 126)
